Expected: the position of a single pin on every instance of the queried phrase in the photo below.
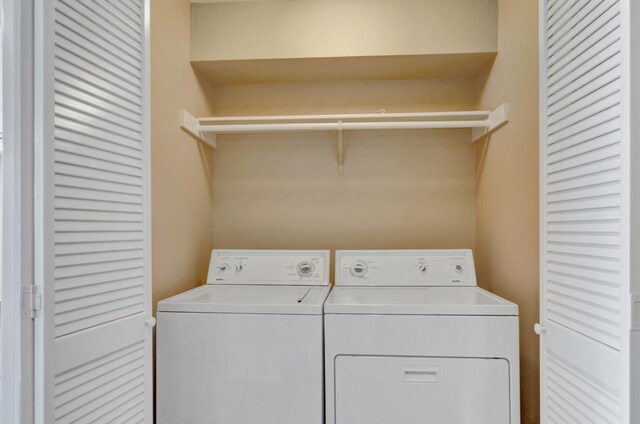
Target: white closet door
(585, 188)
(93, 332)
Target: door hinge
(31, 301)
(635, 311)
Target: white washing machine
(411, 339)
(246, 348)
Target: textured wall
(400, 189)
(181, 168)
(507, 185)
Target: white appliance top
(405, 268)
(259, 282)
(269, 267)
(417, 301)
(248, 299)
(411, 282)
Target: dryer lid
(247, 299)
(269, 267)
(417, 301)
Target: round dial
(305, 269)
(359, 269)
(223, 267)
(422, 269)
(239, 267)
(458, 269)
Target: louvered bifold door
(584, 212)
(93, 342)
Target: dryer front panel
(410, 390)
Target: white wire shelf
(481, 123)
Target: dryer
(246, 348)
(411, 339)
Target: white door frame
(17, 332)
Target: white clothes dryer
(411, 339)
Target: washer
(246, 347)
(410, 338)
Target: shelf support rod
(480, 128)
(340, 149)
(333, 126)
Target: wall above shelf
(481, 123)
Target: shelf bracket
(191, 125)
(497, 119)
(340, 149)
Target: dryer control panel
(405, 268)
(269, 267)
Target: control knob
(305, 269)
(359, 269)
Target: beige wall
(507, 185)
(335, 28)
(400, 189)
(181, 168)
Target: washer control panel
(269, 267)
(405, 268)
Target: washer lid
(246, 299)
(417, 301)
